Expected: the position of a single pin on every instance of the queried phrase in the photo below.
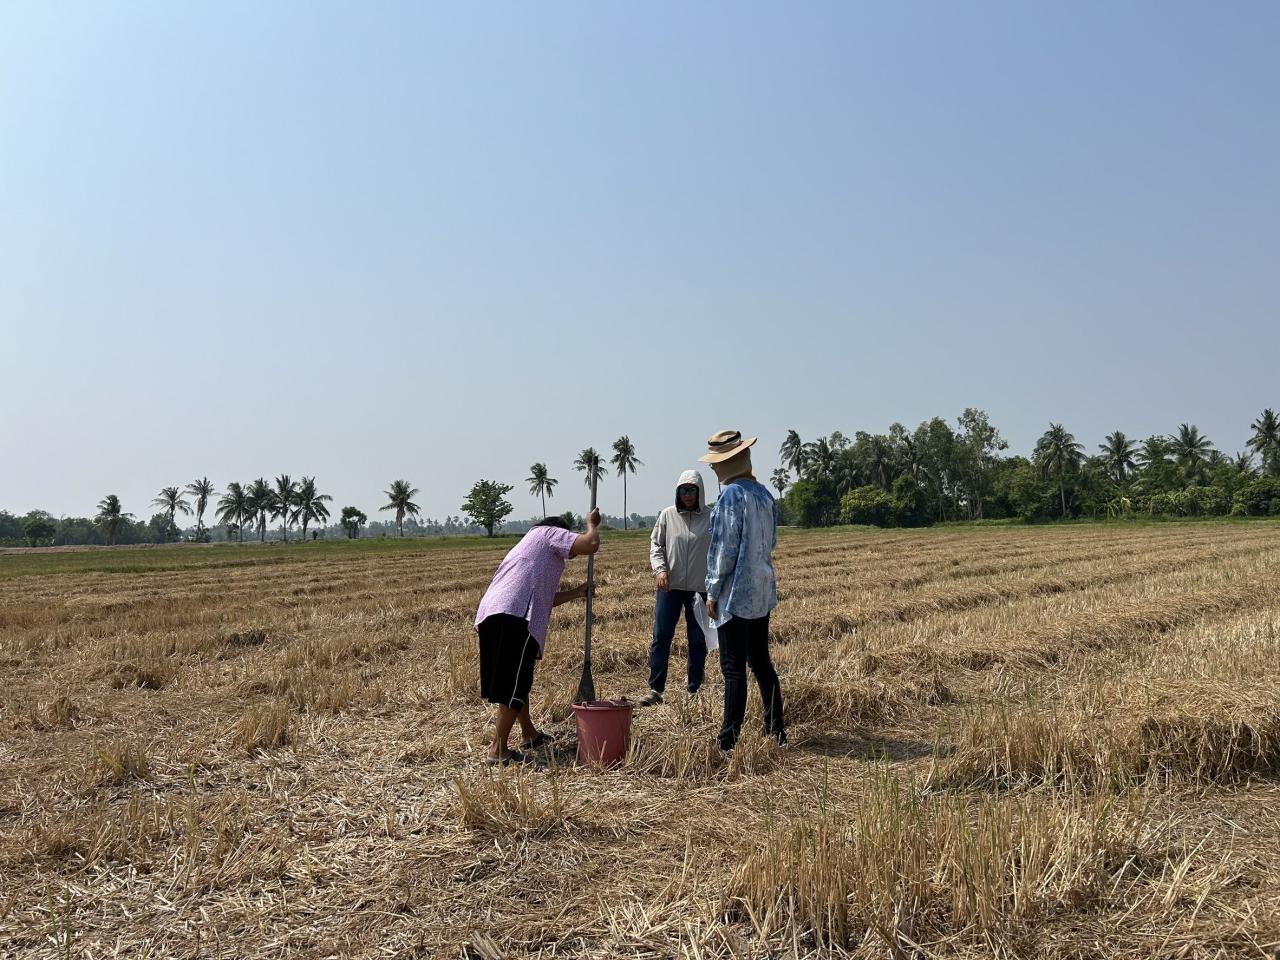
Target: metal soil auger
(587, 686)
(604, 726)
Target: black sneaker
(651, 699)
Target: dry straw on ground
(1053, 743)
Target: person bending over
(512, 623)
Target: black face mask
(680, 500)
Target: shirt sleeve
(561, 541)
(657, 544)
(773, 532)
(726, 534)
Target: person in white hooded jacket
(678, 556)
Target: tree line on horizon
(253, 506)
(938, 473)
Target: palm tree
(309, 504)
(792, 452)
(817, 457)
(781, 477)
(1191, 451)
(906, 459)
(170, 501)
(110, 516)
(234, 508)
(284, 499)
(400, 499)
(1057, 452)
(625, 459)
(202, 490)
(1153, 451)
(1244, 463)
(1266, 440)
(541, 484)
(1117, 455)
(879, 459)
(589, 463)
(260, 499)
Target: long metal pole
(587, 686)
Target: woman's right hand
(593, 518)
(664, 581)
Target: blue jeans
(666, 615)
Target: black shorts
(507, 655)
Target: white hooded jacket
(680, 539)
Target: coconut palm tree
(906, 458)
(624, 459)
(792, 452)
(1117, 455)
(110, 516)
(781, 477)
(284, 499)
(1191, 451)
(1266, 440)
(201, 490)
(234, 508)
(588, 462)
(309, 504)
(1244, 463)
(817, 458)
(879, 460)
(260, 499)
(1057, 452)
(1153, 451)
(400, 499)
(541, 484)
(170, 501)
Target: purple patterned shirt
(526, 581)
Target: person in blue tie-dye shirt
(741, 589)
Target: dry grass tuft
(118, 762)
(902, 868)
(247, 638)
(510, 800)
(100, 832)
(1200, 708)
(315, 690)
(151, 673)
(264, 727)
(61, 712)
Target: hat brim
(729, 455)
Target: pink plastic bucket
(604, 731)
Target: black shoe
(541, 741)
(651, 699)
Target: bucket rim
(604, 705)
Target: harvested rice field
(1012, 742)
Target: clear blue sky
(442, 242)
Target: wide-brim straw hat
(724, 446)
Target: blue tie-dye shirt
(744, 531)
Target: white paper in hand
(704, 621)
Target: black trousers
(745, 643)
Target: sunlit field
(1049, 742)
